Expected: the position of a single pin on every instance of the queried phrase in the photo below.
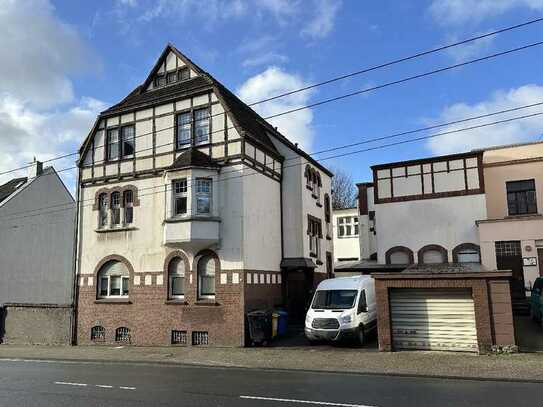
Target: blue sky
(67, 60)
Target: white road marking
(71, 384)
(127, 388)
(104, 386)
(320, 403)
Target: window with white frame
(113, 280)
(176, 278)
(115, 208)
(184, 130)
(180, 197)
(128, 203)
(201, 126)
(102, 210)
(206, 277)
(347, 226)
(203, 196)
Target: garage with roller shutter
(451, 307)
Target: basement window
(122, 335)
(98, 334)
(200, 338)
(179, 338)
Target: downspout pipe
(75, 261)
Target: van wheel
(361, 336)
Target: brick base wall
(151, 317)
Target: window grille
(122, 335)
(179, 337)
(200, 338)
(98, 334)
(508, 248)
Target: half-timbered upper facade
(189, 198)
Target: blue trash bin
(282, 322)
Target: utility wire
(165, 188)
(366, 141)
(342, 77)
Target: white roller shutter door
(433, 319)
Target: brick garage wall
(40, 324)
(483, 298)
(151, 317)
(502, 315)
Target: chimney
(35, 169)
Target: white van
(342, 308)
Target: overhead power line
(345, 76)
(166, 188)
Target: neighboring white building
(422, 211)
(346, 235)
(193, 211)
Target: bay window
(180, 197)
(521, 197)
(203, 195)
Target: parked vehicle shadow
(529, 334)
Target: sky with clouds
(64, 61)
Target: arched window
(128, 203)
(308, 177)
(318, 185)
(98, 334)
(122, 334)
(399, 255)
(206, 277)
(467, 253)
(432, 254)
(115, 208)
(113, 280)
(176, 278)
(102, 210)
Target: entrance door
(299, 294)
(509, 257)
(540, 261)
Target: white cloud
(460, 11)
(265, 59)
(39, 114)
(297, 126)
(37, 52)
(512, 132)
(323, 21)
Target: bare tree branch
(343, 190)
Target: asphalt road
(81, 384)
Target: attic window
(163, 79)
(183, 74)
(171, 77)
(160, 81)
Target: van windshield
(334, 299)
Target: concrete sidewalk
(320, 358)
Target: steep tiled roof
(249, 121)
(10, 187)
(138, 97)
(193, 158)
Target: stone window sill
(113, 301)
(119, 229)
(209, 303)
(202, 218)
(176, 302)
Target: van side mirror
(362, 304)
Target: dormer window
(163, 79)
